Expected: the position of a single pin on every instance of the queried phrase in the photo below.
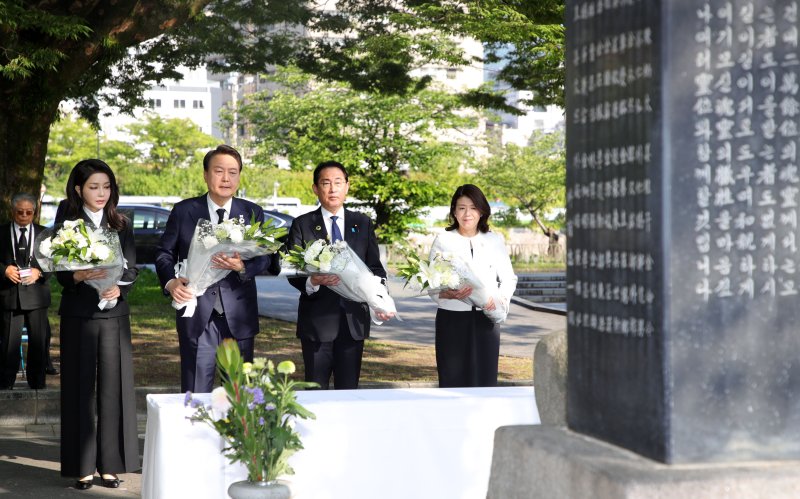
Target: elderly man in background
(24, 297)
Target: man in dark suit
(332, 329)
(229, 308)
(24, 297)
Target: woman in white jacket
(467, 341)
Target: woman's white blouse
(490, 260)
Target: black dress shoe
(81, 485)
(111, 483)
(52, 371)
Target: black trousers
(467, 349)
(340, 357)
(199, 355)
(98, 404)
(10, 339)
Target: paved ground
(29, 455)
(519, 334)
(29, 466)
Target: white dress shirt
(213, 207)
(29, 237)
(326, 219)
(487, 251)
(95, 217)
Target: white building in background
(518, 129)
(199, 96)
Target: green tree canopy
(169, 143)
(51, 52)
(531, 178)
(390, 143)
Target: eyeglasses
(326, 184)
(24, 212)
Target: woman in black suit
(467, 341)
(96, 358)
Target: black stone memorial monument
(682, 223)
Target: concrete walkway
(518, 335)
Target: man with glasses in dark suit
(332, 329)
(24, 297)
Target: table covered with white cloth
(385, 443)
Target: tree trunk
(553, 248)
(29, 105)
(382, 216)
(23, 146)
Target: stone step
(561, 292)
(542, 284)
(543, 298)
(555, 276)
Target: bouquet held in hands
(73, 246)
(443, 272)
(356, 281)
(210, 241)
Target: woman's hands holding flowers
(110, 293)
(456, 294)
(88, 275)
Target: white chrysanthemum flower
(313, 251)
(209, 241)
(100, 251)
(325, 259)
(236, 235)
(219, 402)
(46, 247)
(435, 280)
(97, 236)
(452, 280)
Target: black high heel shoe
(111, 483)
(83, 484)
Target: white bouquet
(231, 236)
(356, 280)
(74, 246)
(445, 271)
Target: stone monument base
(554, 462)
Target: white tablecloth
(371, 444)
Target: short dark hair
(480, 202)
(222, 149)
(329, 164)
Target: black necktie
(22, 247)
(218, 299)
(336, 234)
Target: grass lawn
(157, 362)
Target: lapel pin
(317, 228)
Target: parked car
(149, 222)
(279, 219)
